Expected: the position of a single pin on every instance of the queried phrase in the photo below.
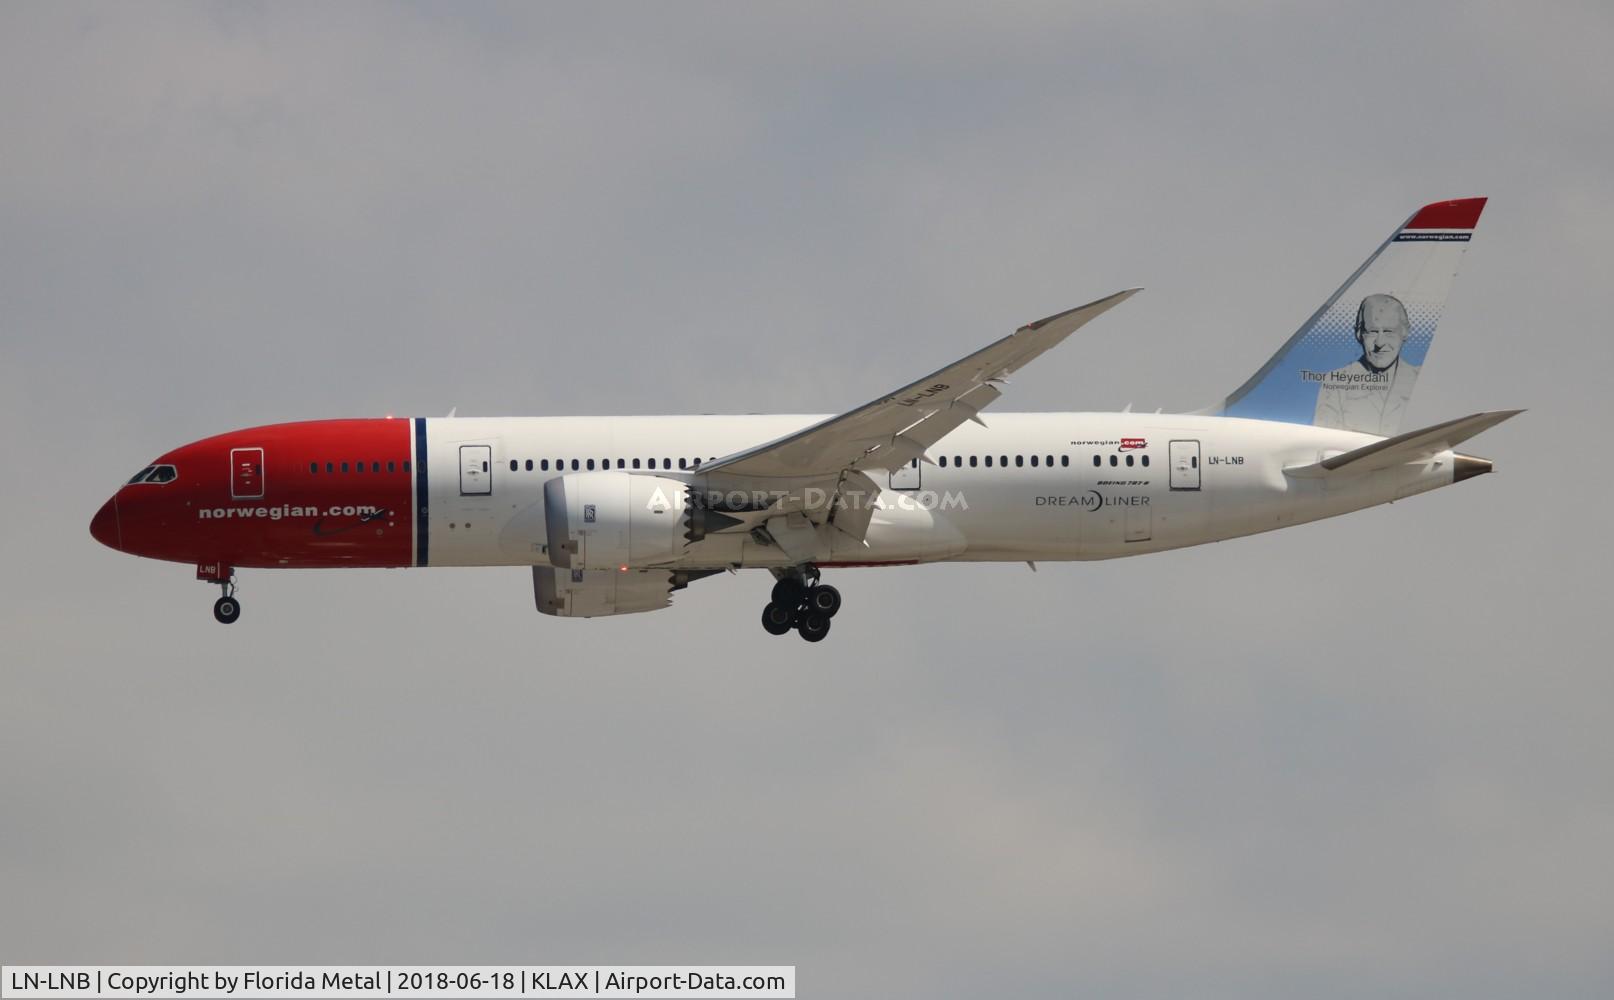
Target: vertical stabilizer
(1355, 362)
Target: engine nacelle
(607, 520)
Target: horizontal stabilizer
(1404, 448)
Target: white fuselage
(1191, 479)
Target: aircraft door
(1139, 519)
(1185, 465)
(246, 473)
(476, 470)
(907, 477)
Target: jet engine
(609, 520)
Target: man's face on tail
(1382, 329)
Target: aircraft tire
(777, 620)
(226, 610)
(788, 593)
(824, 600)
(813, 627)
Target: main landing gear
(226, 609)
(800, 602)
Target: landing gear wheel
(777, 620)
(824, 600)
(226, 610)
(813, 626)
(788, 592)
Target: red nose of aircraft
(104, 526)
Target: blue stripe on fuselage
(422, 515)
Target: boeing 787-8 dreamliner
(615, 514)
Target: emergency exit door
(1184, 465)
(476, 469)
(906, 477)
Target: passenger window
(972, 461)
(574, 465)
(344, 468)
(1113, 462)
(1064, 461)
(1194, 462)
(1146, 461)
(683, 463)
(1034, 461)
(544, 465)
(392, 466)
(636, 463)
(358, 466)
(375, 467)
(1129, 461)
(512, 465)
(313, 468)
(1004, 460)
(1050, 461)
(329, 467)
(591, 465)
(1097, 461)
(620, 464)
(1019, 461)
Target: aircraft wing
(898, 427)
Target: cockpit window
(142, 474)
(162, 474)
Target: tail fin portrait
(1355, 362)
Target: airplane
(616, 514)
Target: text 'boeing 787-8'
(615, 514)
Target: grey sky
(1373, 756)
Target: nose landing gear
(800, 602)
(226, 609)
